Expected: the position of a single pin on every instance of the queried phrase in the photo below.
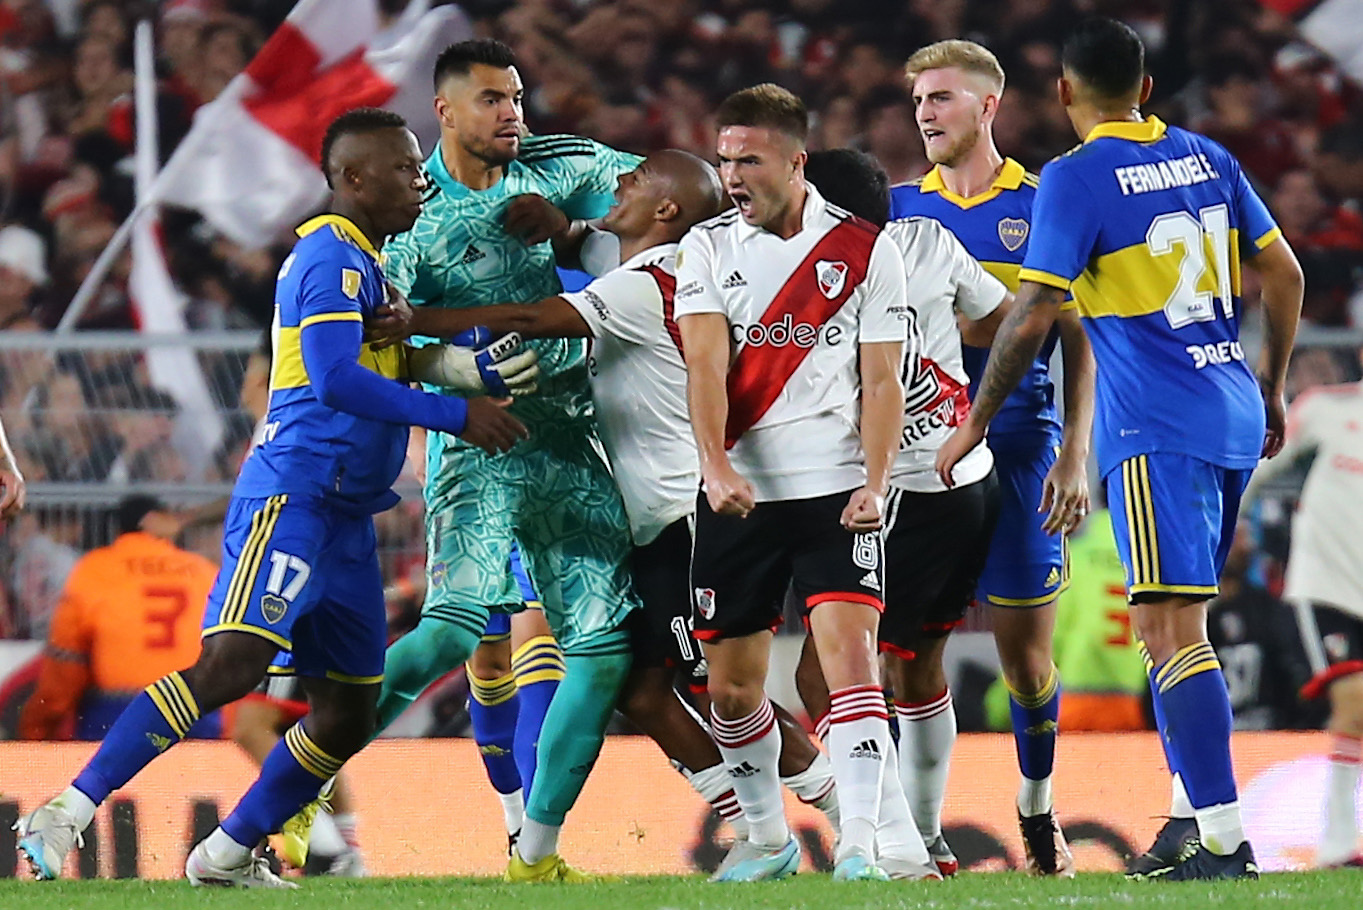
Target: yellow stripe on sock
(305, 751)
(490, 692)
(1145, 656)
(545, 662)
(536, 645)
(1177, 667)
(182, 687)
(1042, 696)
(1204, 666)
(539, 676)
(168, 709)
(323, 760)
(173, 698)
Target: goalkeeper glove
(476, 364)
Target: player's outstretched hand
(12, 492)
(864, 511)
(1064, 495)
(958, 445)
(534, 219)
(1275, 412)
(728, 492)
(391, 322)
(475, 366)
(490, 427)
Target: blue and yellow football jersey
(1146, 226)
(332, 274)
(993, 227)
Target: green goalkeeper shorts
(553, 496)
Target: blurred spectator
(892, 133)
(1256, 639)
(129, 613)
(1237, 98)
(1328, 240)
(23, 270)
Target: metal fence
(96, 417)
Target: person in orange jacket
(129, 613)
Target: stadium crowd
(634, 74)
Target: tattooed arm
(1016, 345)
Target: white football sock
(1034, 797)
(714, 786)
(1179, 804)
(815, 786)
(927, 733)
(537, 841)
(897, 836)
(224, 852)
(858, 745)
(348, 827)
(513, 810)
(1339, 840)
(1220, 828)
(751, 747)
(78, 805)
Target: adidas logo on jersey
(743, 770)
(867, 748)
(471, 255)
(735, 280)
(869, 580)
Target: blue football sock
(1190, 695)
(493, 707)
(154, 721)
(1035, 722)
(538, 666)
(290, 777)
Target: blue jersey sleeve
(329, 290)
(1256, 224)
(331, 351)
(1064, 227)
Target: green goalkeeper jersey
(458, 255)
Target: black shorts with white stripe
(660, 633)
(935, 549)
(1333, 642)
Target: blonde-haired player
(985, 199)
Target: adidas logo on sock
(735, 280)
(745, 769)
(867, 748)
(471, 255)
(869, 580)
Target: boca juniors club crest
(832, 276)
(273, 608)
(705, 602)
(1013, 233)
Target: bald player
(638, 381)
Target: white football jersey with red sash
(797, 310)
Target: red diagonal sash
(667, 286)
(760, 372)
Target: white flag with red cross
(250, 163)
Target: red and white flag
(1334, 26)
(249, 164)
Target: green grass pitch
(1341, 890)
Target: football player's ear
(1147, 84)
(667, 210)
(442, 111)
(798, 164)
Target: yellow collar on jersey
(1009, 178)
(1147, 130)
(344, 228)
